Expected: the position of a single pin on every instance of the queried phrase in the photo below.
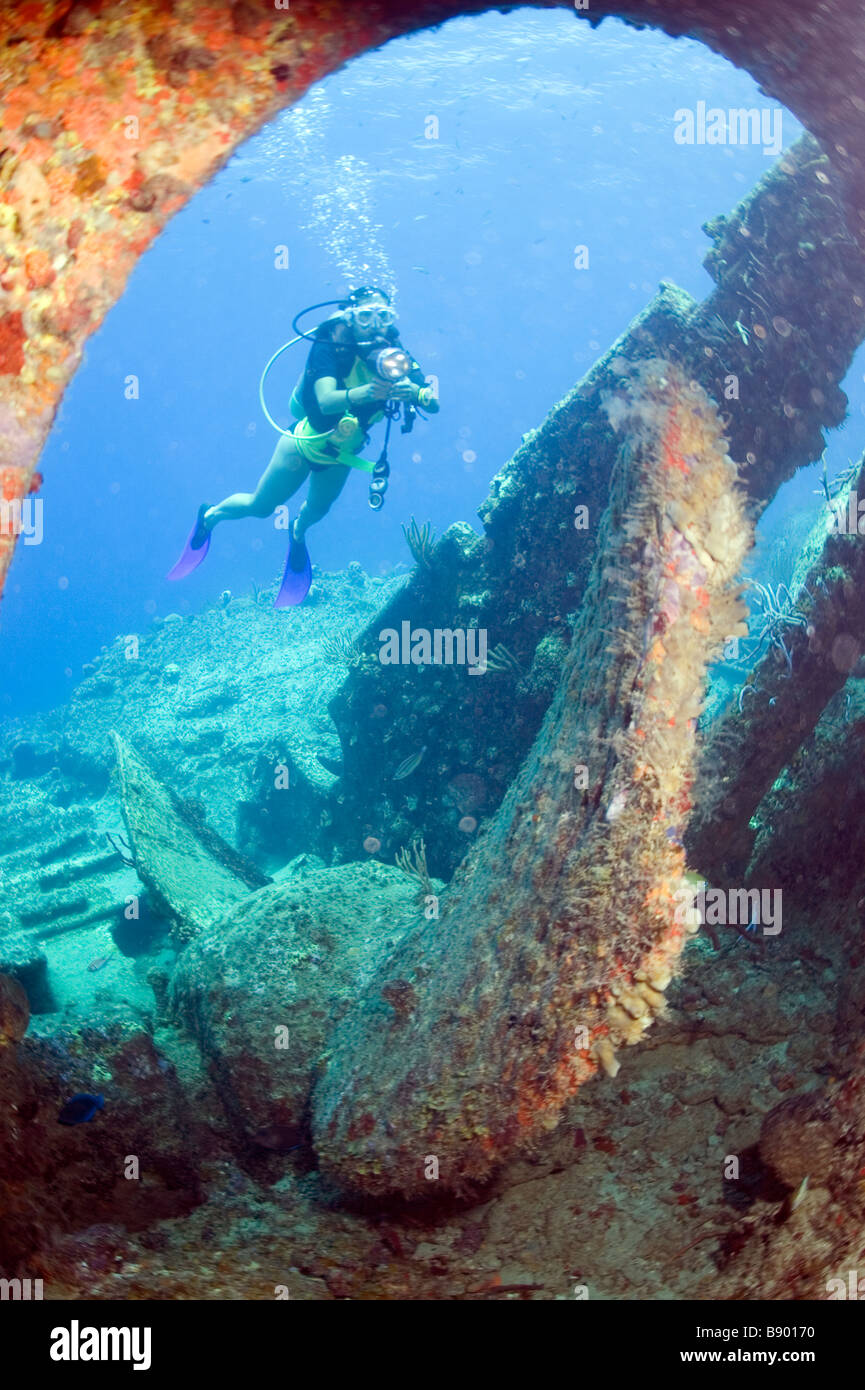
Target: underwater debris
(420, 541)
(408, 765)
(588, 940)
(193, 875)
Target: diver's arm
(429, 402)
(421, 396)
(335, 400)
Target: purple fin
(192, 555)
(295, 583)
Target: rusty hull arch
(113, 114)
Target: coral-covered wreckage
(438, 1031)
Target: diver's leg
(285, 473)
(324, 488)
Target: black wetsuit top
(337, 360)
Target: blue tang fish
(80, 1109)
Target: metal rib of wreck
(193, 875)
(559, 932)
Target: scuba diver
(357, 373)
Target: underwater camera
(390, 364)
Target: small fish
(80, 1109)
(408, 765)
(801, 1194)
(421, 269)
(100, 962)
(280, 1139)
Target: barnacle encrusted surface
(560, 931)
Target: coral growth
(522, 995)
(420, 541)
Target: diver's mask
(369, 320)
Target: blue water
(550, 135)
